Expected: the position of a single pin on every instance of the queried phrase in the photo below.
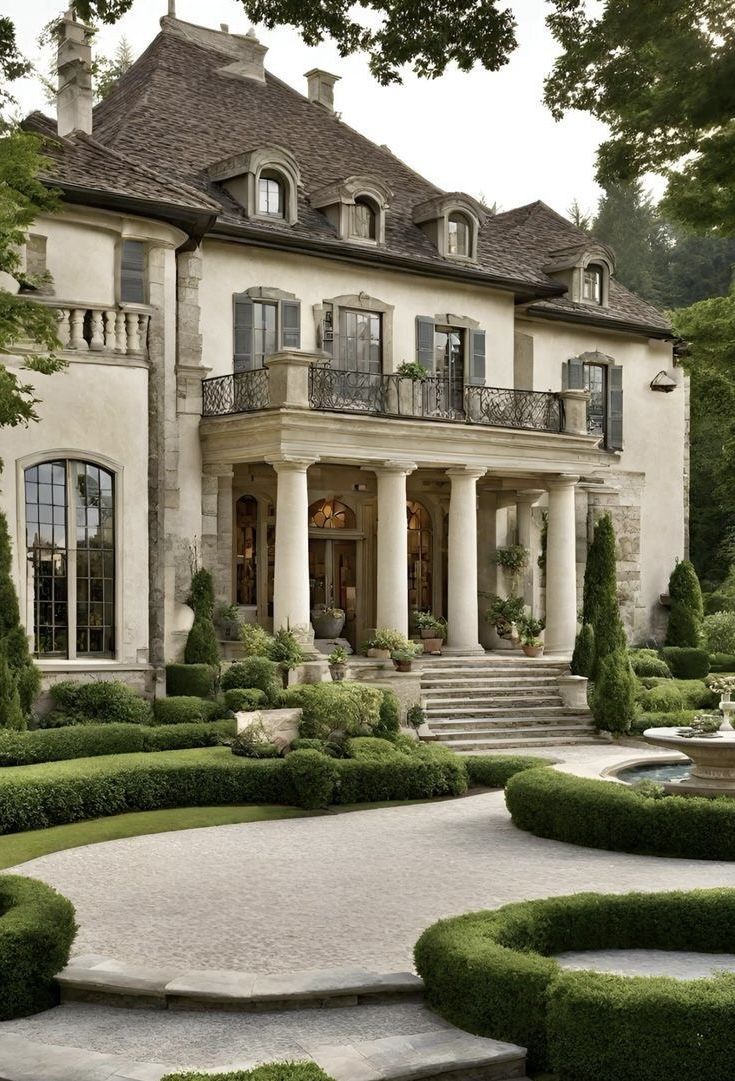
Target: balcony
(106, 329)
(435, 399)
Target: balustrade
(98, 329)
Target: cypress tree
(687, 608)
(613, 701)
(583, 658)
(201, 644)
(19, 677)
(599, 572)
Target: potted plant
(327, 621)
(404, 657)
(529, 630)
(337, 661)
(386, 641)
(411, 369)
(514, 560)
(504, 613)
(285, 650)
(228, 617)
(415, 716)
(433, 631)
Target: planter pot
(428, 632)
(338, 671)
(533, 651)
(433, 645)
(231, 631)
(402, 666)
(327, 626)
(379, 654)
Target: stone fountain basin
(713, 761)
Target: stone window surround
(433, 217)
(118, 471)
(240, 176)
(266, 294)
(569, 267)
(358, 302)
(336, 201)
(595, 259)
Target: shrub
(386, 638)
(179, 737)
(647, 662)
(681, 719)
(685, 619)
(353, 708)
(583, 657)
(492, 771)
(613, 702)
(99, 702)
(661, 700)
(201, 597)
(201, 645)
(686, 663)
(253, 742)
(722, 662)
(11, 711)
(389, 722)
(310, 745)
(190, 679)
(313, 777)
(718, 602)
(495, 974)
(37, 929)
(599, 571)
(695, 693)
(245, 699)
(185, 709)
(271, 1071)
(719, 632)
(285, 650)
(609, 634)
(371, 749)
(255, 641)
(258, 672)
(422, 775)
(19, 679)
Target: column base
(465, 651)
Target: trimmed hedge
(647, 662)
(95, 702)
(686, 663)
(258, 672)
(604, 814)
(494, 770)
(185, 709)
(271, 1071)
(244, 698)
(722, 662)
(494, 974)
(190, 679)
(680, 719)
(89, 741)
(37, 929)
(351, 707)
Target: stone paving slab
(680, 964)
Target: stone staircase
(497, 701)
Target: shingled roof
(177, 111)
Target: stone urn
(432, 645)
(338, 672)
(378, 654)
(327, 622)
(533, 651)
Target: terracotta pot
(533, 651)
(433, 645)
(379, 654)
(402, 666)
(427, 632)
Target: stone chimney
(73, 64)
(321, 87)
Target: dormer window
(270, 194)
(264, 182)
(585, 270)
(452, 223)
(592, 284)
(363, 219)
(459, 232)
(355, 207)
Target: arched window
(364, 216)
(246, 555)
(331, 514)
(592, 283)
(271, 194)
(459, 235)
(420, 557)
(70, 545)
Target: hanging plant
(513, 559)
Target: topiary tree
(613, 703)
(599, 572)
(201, 645)
(609, 631)
(600, 603)
(687, 608)
(22, 684)
(583, 658)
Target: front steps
(484, 704)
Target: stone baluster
(110, 320)
(97, 341)
(77, 330)
(144, 324)
(121, 343)
(131, 320)
(63, 331)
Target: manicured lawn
(74, 766)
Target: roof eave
(627, 325)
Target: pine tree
(583, 658)
(627, 220)
(20, 681)
(687, 608)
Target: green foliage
(683, 629)
(661, 700)
(494, 770)
(599, 604)
(599, 573)
(258, 672)
(185, 709)
(98, 702)
(19, 678)
(37, 928)
(647, 662)
(504, 611)
(695, 693)
(255, 641)
(352, 708)
(628, 221)
(722, 662)
(687, 609)
(252, 742)
(598, 814)
(201, 597)
(613, 702)
(371, 748)
(719, 632)
(191, 679)
(494, 973)
(686, 663)
(583, 657)
(244, 699)
(88, 741)
(386, 638)
(285, 650)
(681, 719)
(389, 722)
(422, 774)
(271, 1071)
(313, 777)
(201, 644)
(415, 716)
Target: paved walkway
(342, 890)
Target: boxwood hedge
(494, 973)
(603, 814)
(37, 929)
(271, 1071)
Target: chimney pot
(74, 70)
(224, 28)
(320, 87)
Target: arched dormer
(356, 206)
(265, 182)
(452, 222)
(586, 270)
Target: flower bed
(494, 974)
(37, 929)
(602, 814)
(271, 1071)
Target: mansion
(297, 363)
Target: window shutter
(477, 358)
(243, 334)
(615, 407)
(132, 272)
(291, 324)
(572, 374)
(425, 342)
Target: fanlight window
(271, 194)
(458, 235)
(331, 514)
(364, 219)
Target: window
(133, 288)
(331, 514)
(256, 333)
(363, 219)
(362, 344)
(70, 546)
(246, 525)
(595, 381)
(420, 558)
(592, 284)
(449, 349)
(270, 195)
(458, 235)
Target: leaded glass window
(331, 514)
(595, 381)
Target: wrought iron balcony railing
(433, 398)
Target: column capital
(529, 495)
(563, 480)
(214, 470)
(286, 462)
(297, 357)
(391, 466)
(471, 473)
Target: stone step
(95, 978)
(479, 698)
(496, 711)
(524, 738)
(431, 670)
(449, 725)
(489, 681)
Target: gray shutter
(572, 374)
(291, 324)
(328, 331)
(132, 272)
(477, 358)
(615, 407)
(242, 333)
(425, 342)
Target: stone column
(524, 525)
(289, 378)
(462, 614)
(575, 411)
(217, 531)
(392, 591)
(291, 599)
(561, 567)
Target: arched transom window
(331, 514)
(70, 547)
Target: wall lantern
(663, 382)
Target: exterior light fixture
(663, 382)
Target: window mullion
(71, 563)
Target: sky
(485, 133)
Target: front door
(333, 579)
